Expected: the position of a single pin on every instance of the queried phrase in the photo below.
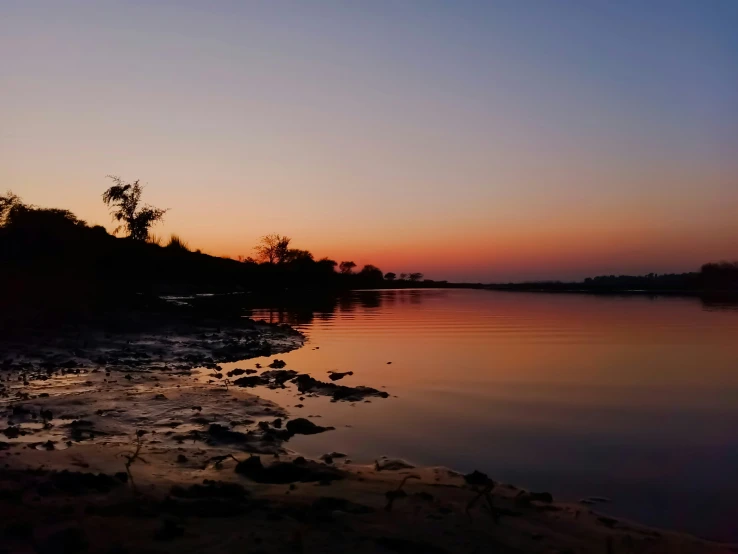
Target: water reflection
(324, 306)
(631, 397)
(303, 311)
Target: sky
(476, 141)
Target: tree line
(136, 220)
(56, 247)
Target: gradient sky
(468, 140)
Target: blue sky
(470, 140)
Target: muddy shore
(139, 442)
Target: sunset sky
(499, 140)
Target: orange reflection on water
(633, 398)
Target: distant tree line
(719, 277)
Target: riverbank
(313, 507)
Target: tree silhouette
(415, 277)
(371, 273)
(8, 202)
(273, 248)
(346, 267)
(390, 276)
(123, 199)
(299, 256)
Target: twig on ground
(132, 457)
(394, 494)
(486, 493)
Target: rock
(278, 377)
(388, 464)
(607, 521)
(335, 375)
(253, 381)
(305, 383)
(302, 426)
(222, 434)
(160, 397)
(182, 459)
(236, 372)
(285, 472)
(327, 458)
(277, 364)
(20, 410)
(250, 466)
(476, 478)
(277, 423)
(211, 489)
(546, 497)
(12, 432)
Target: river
(631, 398)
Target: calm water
(631, 398)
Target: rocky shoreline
(140, 442)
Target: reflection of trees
(369, 299)
(346, 304)
(304, 310)
(716, 303)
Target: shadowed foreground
(355, 508)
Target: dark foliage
(124, 201)
(55, 266)
(713, 278)
(720, 276)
